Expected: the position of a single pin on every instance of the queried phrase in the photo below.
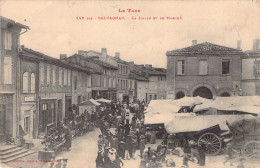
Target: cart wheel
(252, 150)
(213, 143)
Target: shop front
(6, 116)
(28, 116)
(47, 114)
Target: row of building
(37, 90)
(209, 70)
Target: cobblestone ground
(84, 151)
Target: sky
(55, 29)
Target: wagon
(246, 137)
(211, 137)
(209, 129)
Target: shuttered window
(8, 40)
(180, 67)
(32, 83)
(258, 68)
(25, 82)
(8, 70)
(203, 67)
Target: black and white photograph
(129, 84)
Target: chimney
(63, 56)
(117, 54)
(103, 52)
(148, 66)
(256, 44)
(83, 53)
(194, 42)
(239, 44)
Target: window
(203, 67)
(131, 87)
(60, 76)
(32, 83)
(75, 83)
(105, 82)
(53, 76)
(25, 82)
(225, 66)
(8, 70)
(27, 124)
(65, 77)
(42, 74)
(69, 78)
(258, 68)
(180, 66)
(155, 97)
(98, 80)
(44, 106)
(8, 40)
(48, 75)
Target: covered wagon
(246, 137)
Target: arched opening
(225, 94)
(180, 95)
(203, 92)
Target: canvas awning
(89, 102)
(228, 102)
(183, 124)
(103, 100)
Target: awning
(103, 100)
(89, 102)
(181, 124)
(94, 102)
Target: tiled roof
(99, 62)
(42, 57)
(14, 22)
(138, 77)
(204, 47)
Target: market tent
(182, 124)
(161, 106)
(226, 102)
(190, 101)
(89, 105)
(246, 109)
(89, 102)
(160, 112)
(94, 102)
(103, 100)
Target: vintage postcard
(129, 84)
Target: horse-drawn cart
(246, 137)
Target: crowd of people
(123, 133)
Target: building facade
(103, 80)
(9, 68)
(151, 82)
(205, 70)
(251, 71)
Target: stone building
(251, 71)
(103, 81)
(9, 68)
(59, 90)
(151, 82)
(205, 70)
(122, 85)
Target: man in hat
(100, 142)
(100, 159)
(68, 136)
(121, 149)
(142, 145)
